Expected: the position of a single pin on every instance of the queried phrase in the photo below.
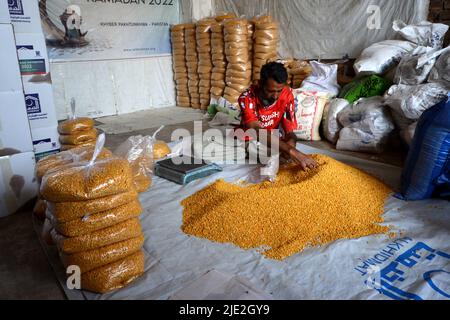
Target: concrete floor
(24, 270)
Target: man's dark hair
(275, 71)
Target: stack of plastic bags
(218, 60)
(94, 210)
(299, 70)
(265, 48)
(239, 68)
(192, 64)
(203, 37)
(77, 132)
(179, 65)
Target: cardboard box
(40, 105)
(4, 12)
(25, 16)
(32, 52)
(10, 79)
(15, 135)
(18, 184)
(45, 141)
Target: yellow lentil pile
(300, 210)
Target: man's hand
(306, 162)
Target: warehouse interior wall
(329, 29)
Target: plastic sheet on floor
(415, 265)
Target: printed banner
(107, 29)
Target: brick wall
(440, 12)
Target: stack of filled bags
(179, 65)
(76, 133)
(250, 34)
(265, 49)
(192, 65)
(203, 37)
(218, 60)
(299, 70)
(239, 68)
(94, 210)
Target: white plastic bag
(367, 126)
(323, 78)
(425, 33)
(441, 70)
(331, 125)
(138, 150)
(409, 70)
(380, 57)
(412, 101)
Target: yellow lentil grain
(300, 210)
(79, 182)
(107, 236)
(79, 138)
(90, 260)
(98, 221)
(76, 125)
(68, 211)
(115, 275)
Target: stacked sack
(179, 65)
(299, 70)
(218, 60)
(251, 32)
(192, 65)
(94, 210)
(239, 68)
(203, 37)
(266, 39)
(76, 133)
(56, 161)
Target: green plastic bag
(367, 87)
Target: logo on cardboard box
(15, 7)
(33, 104)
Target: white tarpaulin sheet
(330, 28)
(416, 265)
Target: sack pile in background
(265, 46)
(179, 65)
(203, 38)
(239, 67)
(192, 65)
(218, 60)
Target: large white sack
(425, 33)
(380, 57)
(323, 79)
(368, 135)
(441, 71)
(409, 71)
(363, 108)
(331, 125)
(412, 101)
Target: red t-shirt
(282, 112)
